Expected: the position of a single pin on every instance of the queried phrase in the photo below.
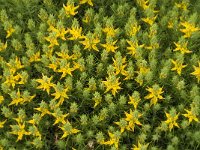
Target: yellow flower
(171, 120)
(60, 93)
(119, 65)
(70, 9)
(122, 124)
(3, 46)
(45, 83)
(191, 115)
(76, 33)
(86, 1)
(144, 4)
(36, 119)
(43, 110)
(149, 20)
(154, 94)
(60, 32)
(196, 72)
(97, 99)
(178, 66)
(2, 123)
(112, 84)
(64, 55)
(68, 130)
(90, 43)
(189, 29)
(35, 132)
(55, 63)
(140, 146)
(114, 139)
(143, 68)
(65, 69)
(10, 31)
(12, 80)
(110, 31)
(60, 118)
(182, 48)
(18, 99)
(52, 39)
(35, 57)
(134, 99)
(15, 65)
(1, 99)
(132, 119)
(134, 29)
(170, 24)
(183, 5)
(133, 47)
(110, 46)
(19, 130)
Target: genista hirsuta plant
(100, 74)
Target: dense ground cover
(99, 74)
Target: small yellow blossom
(68, 130)
(35, 132)
(35, 57)
(171, 120)
(149, 20)
(196, 72)
(1, 99)
(178, 66)
(3, 46)
(182, 48)
(19, 130)
(60, 93)
(90, 43)
(52, 39)
(170, 24)
(134, 29)
(10, 31)
(189, 29)
(12, 80)
(110, 31)
(122, 124)
(35, 119)
(119, 65)
(112, 84)
(55, 63)
(191, 115)
(97, 99)
(114, 139)
(134, 100)
(154, 94)
(45, 83)
(86, 1)
(183, 5)
(2, 123)
(60, 118)
(18, 99)
(133, 47)
(43, 110)
(142, 3)
(65, 70)
(110, 46)
(15, 65)
(70, 9)
(60, 32)
(76, 33)
(132, 119)
(140, 146)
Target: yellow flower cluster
(92, 74)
